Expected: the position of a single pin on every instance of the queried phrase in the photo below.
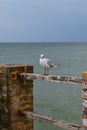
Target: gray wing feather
(50, 63)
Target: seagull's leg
(44, 71)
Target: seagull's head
(42, 56)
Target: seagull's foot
(45, 74)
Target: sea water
(58, 100)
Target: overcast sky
(43, 20)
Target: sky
(43, 20)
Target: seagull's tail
(56, 65)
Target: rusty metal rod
(52, 78)
(58, 123)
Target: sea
(61, 101)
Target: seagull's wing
(50, 63)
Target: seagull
(46, 64)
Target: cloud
(10, 14)
(34, 20)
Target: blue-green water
(58, 100)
